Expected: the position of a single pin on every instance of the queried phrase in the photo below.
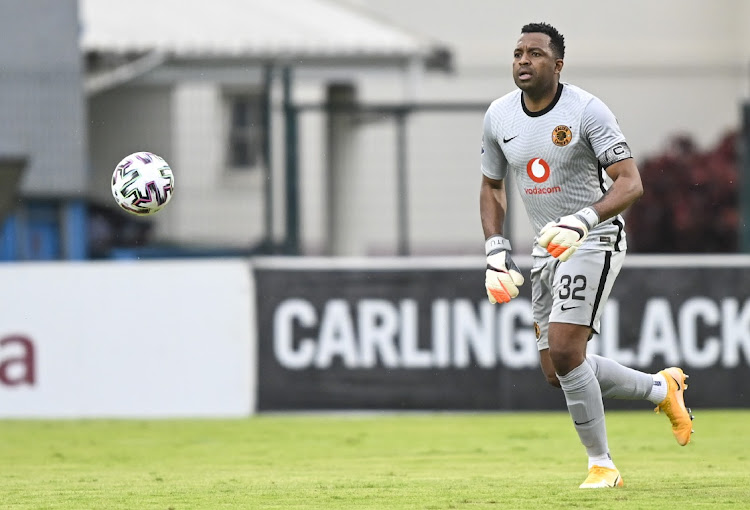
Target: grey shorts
(573, 292)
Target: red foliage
(690, 202)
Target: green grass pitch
(373, 461)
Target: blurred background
(323, 248)
(347, 127)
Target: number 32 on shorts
(572, 287)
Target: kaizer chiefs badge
(561, 136)
(537, 331)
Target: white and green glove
(562, 238)
(502, 277)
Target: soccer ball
(142, 183)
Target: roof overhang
(124, 40)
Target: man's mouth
(524, 75)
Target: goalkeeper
(575, 174)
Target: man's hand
(502, 277)
(563, 237)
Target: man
(575, 174)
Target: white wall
(127, 339)
(212, 206)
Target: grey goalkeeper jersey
(557, 157)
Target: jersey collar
(547, 108)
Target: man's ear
(559, 65)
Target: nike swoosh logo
(506, 140)
(568, 308)
(584, 423)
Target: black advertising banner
(411, 335)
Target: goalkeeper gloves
(562, 238)
(502, 277)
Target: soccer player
(575, 174)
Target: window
(245, 132)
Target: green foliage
(369, 461)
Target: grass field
(378, 461)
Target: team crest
(537, 331)
(561, 136)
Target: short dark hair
(556, 39)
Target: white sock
(659, 389)
(602, 461)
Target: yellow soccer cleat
(674, 405)
(601, 478)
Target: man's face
(534, 63)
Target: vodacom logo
(538, 169)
